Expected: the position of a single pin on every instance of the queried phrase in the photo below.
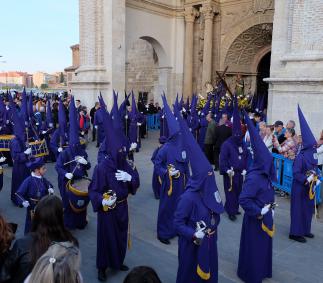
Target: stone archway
(147, 68)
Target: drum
(78, 194)
(39, 148)
(5, 142)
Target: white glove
(25, 203)
(163, 116)
(44, 132)
(320, 150)
(139, 124)
(183, 110)
(81, 159)
(123, 176)
(199, 234)
(273, 213)
(173, 172)
(109, 202)
(2, 159)
(96, 127)
(133, 146)
(69, 176)
(244, 172)
(126, 117)
(265, 209)
(28, 151)
(230, 172)
(51, 191)
(310, 178)
(37, 124)
(60, 149)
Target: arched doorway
(263, 71)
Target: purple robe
(167, 155)
(19, 171)
(112, 226)
(98, 122)
(155, 179)
(191, 209)
(255, 255)
(32, 189)
(202, 130)
(57, 141)
(72, 219)
(231, 157)
(302, 207)
(193, 124)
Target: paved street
(293, 262)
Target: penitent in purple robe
(302, 207)
(202, 130)
(234, 155)
(98, 123)
(191, 209)
(255, 256)
(19, 171)
(112, 226)
(171, 187)
(72, 219)
(156, 181)
(32, 189)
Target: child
(33, 188)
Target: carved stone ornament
(208, 11)
(261, 6)
(190, 14)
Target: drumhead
(81, 185)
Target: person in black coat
(222, 133)
(92, 113)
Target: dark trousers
(209, 152)
(93, 133)
(216, 157)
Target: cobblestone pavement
(292, 262)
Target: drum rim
(75, 191)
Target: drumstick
(74, 160)
(20, 197)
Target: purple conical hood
(18, 123)
(49, 117)
(62, 122)
(134, 112)
(206, 108)
(172, 124)
(236, 128)
(23, 111)
(30, 106)
(187, 104)
(193, 104)
(181, 102)
(202, 178)
(102, 103)
(263, 160)
(74, 138)
(307, 135)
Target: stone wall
(141, 68)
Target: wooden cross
(221, 77)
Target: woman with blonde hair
(60, 264)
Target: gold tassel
(202, 274)
(170, 190)
(270, 233)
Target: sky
(36, 35)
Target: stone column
(190, 15)
(208, 11)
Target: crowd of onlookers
(49, 253)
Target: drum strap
(77, 210)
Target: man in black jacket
(92, 113)
(222, 133)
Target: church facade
(178, 46)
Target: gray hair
(60, 264)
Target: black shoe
(164, 241)
(310, 235)
(102, 276)
(299, 239)
(238, 213)
(124, 268)
(232, 217)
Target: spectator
(92, 113)
(210, 138)
(78, 105)
(262, 129)
(60, 264)
(268, 138)
(84, 120)
(279, 131)
(299, 144)
(290, 124)
(7, 235)
(151, 107)
(157, 107)
(47, 226)
(141, 274)
(288, 147)
(257, 119)
(320, 141)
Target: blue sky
(35, 35)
